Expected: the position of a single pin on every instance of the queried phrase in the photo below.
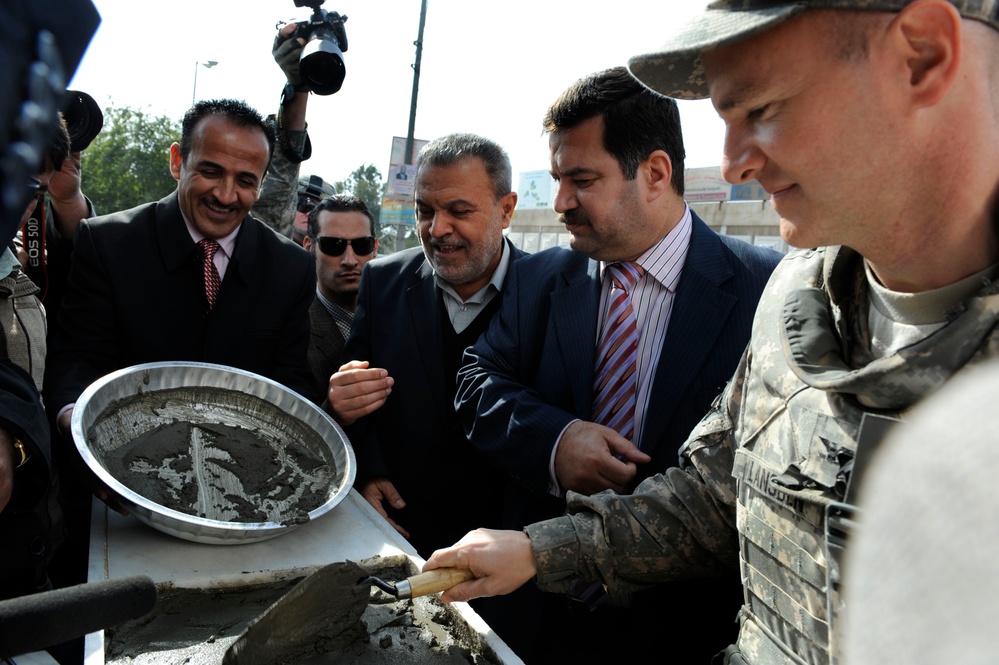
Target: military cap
(675, 70)
(315, 187)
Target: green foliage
(129, 162)
(365, 182)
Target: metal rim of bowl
(159, 516)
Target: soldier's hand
(355, 391)
(502, 561)
(587, 459)
(64, 185)
(66, 197)
(378, 492)
(286, 52)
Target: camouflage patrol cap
(315, 187)
(676, 71)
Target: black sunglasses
(336, 246)
(306, 204)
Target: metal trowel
(323, 606)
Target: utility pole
(408, 156)
(207, 65)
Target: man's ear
(930, 34)
(657, 172)
(175, 160)
(507, 205)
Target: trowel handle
(432, 581)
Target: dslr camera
(321, 63)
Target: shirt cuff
(553, 487)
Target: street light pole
(207, 65)
(407, 158)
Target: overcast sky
(487, 68)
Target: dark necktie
(212, 279)
(615, 378)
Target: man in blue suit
(526, 393)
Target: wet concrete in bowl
(197, 626)
(215, 453)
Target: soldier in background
(874, 125)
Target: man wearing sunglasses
(341, 236)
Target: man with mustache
(417, 311)
(341, 236)
(535, 397)
(191, 277)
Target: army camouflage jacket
(279, 191)
(759, 472)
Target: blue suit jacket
(531, 373)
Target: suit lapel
(700, 311)
(424, 305)
(573, 314)
(176, 245)
(326, 331)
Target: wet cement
(196, 627)
(216, 454)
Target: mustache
(212, 201)
(573, 217)
(447, 241)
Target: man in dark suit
(341, 236)
(527, 394)
(417, 311)
(141, 291)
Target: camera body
(321, 63)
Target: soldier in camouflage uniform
(875, 133)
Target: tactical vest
(798, 426)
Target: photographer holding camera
(309, 54)
(46, 239)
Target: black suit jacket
(397, 326)
(136, 295)
(325, 347)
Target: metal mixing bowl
(118, 410)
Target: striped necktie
(615, 384)
(212, 279)
(616, 380)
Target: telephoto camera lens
(321, 64)
(84, 119)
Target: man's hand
(287, 51)
(68, 202)
(586, 460)
(356, 391)
(380, 490)
(7, 464)
(502, 561)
